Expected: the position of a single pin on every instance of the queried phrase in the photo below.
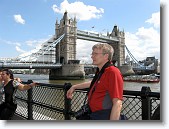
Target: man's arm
(77, 86)
(116, 109)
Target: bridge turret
(75, 25)
(119, 47)
(65, 17)
(108, 33)
(56, 28)
(115, 31)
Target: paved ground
(16, 117)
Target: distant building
(127, 59)
(151, 60)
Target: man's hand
(70, 92)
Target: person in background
(106, 90)
(10, 85)
(1, 88)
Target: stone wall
(68, 71)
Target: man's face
(98, 57)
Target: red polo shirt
(108, 87)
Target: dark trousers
(104, 115)
(7, 111)
(101, 115)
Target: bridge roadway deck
(29, 66)
(53, 66)
(35, 66)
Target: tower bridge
(61, 47)
(60, 50)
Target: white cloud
(9, 42)
(35, 43)
(83, 50)
(86, 12)
(18, 18)
(145, 42)
(19, 49)
(155, 20)
(14, 43)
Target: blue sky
(26, 24)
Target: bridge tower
(66, 51)
(119, 46)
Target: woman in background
(8, 107)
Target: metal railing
(49, 102)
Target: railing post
(29, 102)
(67, 101)
(146, 104)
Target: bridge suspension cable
(49, 47)
(45, 49)
(30, 53)
(138, 65)
(133, 58)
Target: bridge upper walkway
(95, 37)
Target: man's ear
(106, 56)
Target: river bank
(134, 86)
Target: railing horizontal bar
(154, 94)
(48, 85)
(138, 93)
(47, 106)
(21, 99)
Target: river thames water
(134, 86)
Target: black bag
(83, 113)
(123, 117)
(83, 117)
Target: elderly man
(106, 89)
